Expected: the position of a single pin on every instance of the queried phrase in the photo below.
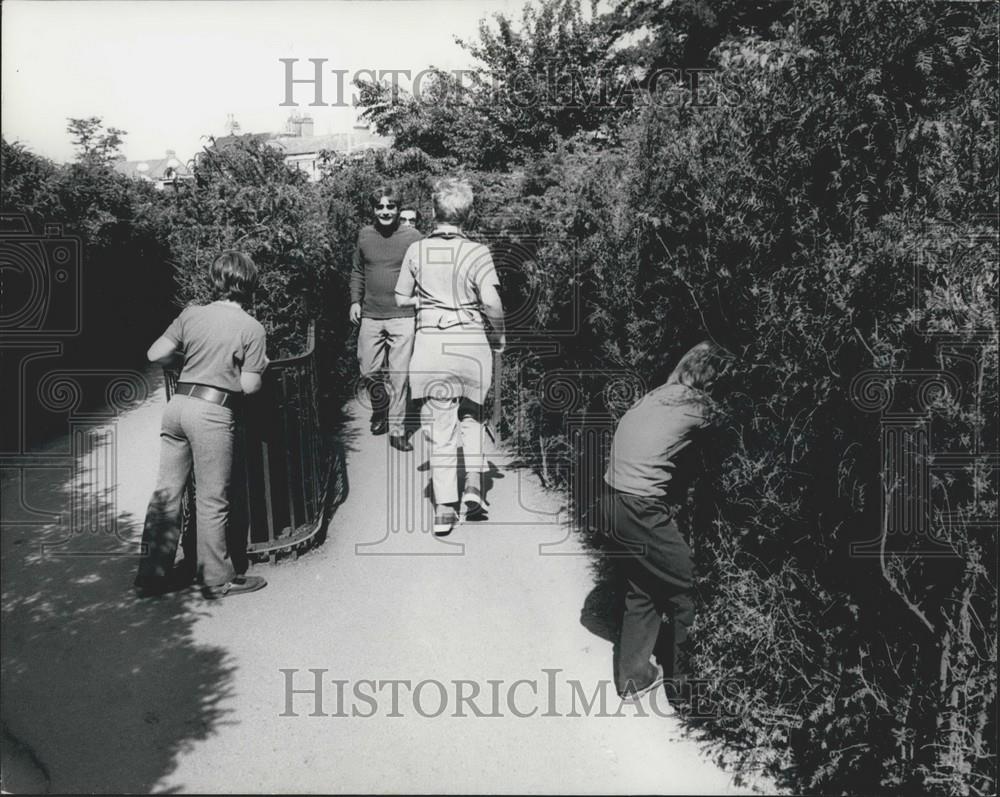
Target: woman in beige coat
(452, 283)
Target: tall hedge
(832, 220)
(835, 227)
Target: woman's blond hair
(452, 200)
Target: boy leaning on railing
(223, 348)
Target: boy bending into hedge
(651, 465)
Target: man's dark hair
(234, 276)
(389, 191)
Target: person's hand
(355, 313)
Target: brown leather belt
(206, 393)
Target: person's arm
(357, 284)
(486, 284)
(255, 360)
(167, 346)
(162, 351)
(250, 382)
(493, 310)
(406, 283)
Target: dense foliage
(835, 227)
(98, 309)
(122, 275)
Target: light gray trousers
(384, 348)
(448, 424)
(194, 433)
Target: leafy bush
(124, 281)
(794, 228)
(839, 219)
(834, 223)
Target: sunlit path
(179, 695)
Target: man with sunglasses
(385, 337)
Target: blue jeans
(194, 433)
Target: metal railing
(283, 471)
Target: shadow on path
(602, 608)
(102, 690)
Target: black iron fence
(286, 475)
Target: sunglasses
(384, 206)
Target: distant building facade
(302, 148)
(161, 172)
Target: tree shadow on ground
(338, 424)
(104, 690)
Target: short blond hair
(452, 200)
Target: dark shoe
(444, 520)
(379, 426)
(399, 442)
(238, 586)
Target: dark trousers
(658, 570)
(657, 618)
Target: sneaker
(473, 500)
(444, 520)
(399, 442)
(238, 586)
(630, 692)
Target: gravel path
(106, 693)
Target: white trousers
(448, 424)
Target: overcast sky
(170, 72)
